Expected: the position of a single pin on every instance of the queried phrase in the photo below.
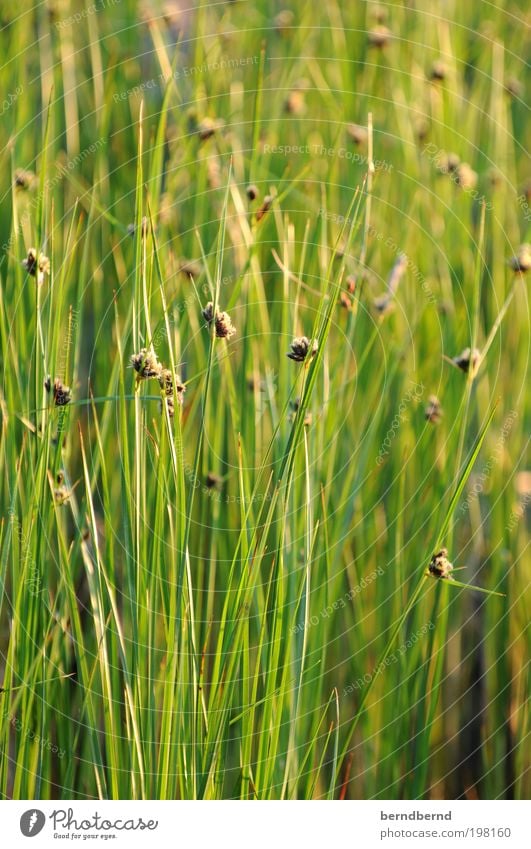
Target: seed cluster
(467, 359)
(62, 394)
(147, 367)
(440, 566)
(301, 348)
(36, 265)
(222, 320)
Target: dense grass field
(226, 550)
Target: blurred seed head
(36, 267)
(345, 301)
(357, 134)
(438, 71)
(433, 411)
(295, 103)
(191, 267)
(521, 262)
(384, 304)
(379, 14)
(208, 127)
(213, 481)
(251, 192)
(421, 128)
(24, 179)
(265, 207)
(379, 36)
(448, 163)
(283, 22)
(295, 407)
(467, 359)
(466, 177)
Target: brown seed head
(465, 176)
(37, 267)
(438, 71)
(224, 326)
(24, 179)
(521, 262)
(466, 359)
(62, 394)
(265, 207)
(433, 411)
(440, 566)
(252, 192)
(146, 365)
(301, 348)
(379, 36)
(357, 134)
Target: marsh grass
(191, 617)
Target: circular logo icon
(32, 822)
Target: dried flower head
(265, 207)
(357, 134)
(351, 283)
(36, 266)
(224, 326)
(301, 348)
(24, 179)
(146, 365)
(440, 566)
(521, 262)
(379, 36)
(433, 411)
(62, 394)
(466, 359)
